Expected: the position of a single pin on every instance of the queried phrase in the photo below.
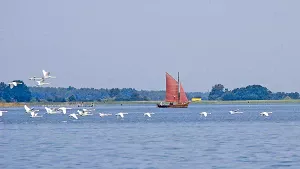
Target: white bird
(204, 114)
(13, 84)
(1, 112)
(120, 114)
(265, 113)
(41, 82)
(84, 112)
(52, 111)
(235, 112)
(148, 114)
(74, 116)
(64, 109)
(104, 114)
(29, 110)
(33, 115)
(47, 75)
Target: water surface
(172, 138)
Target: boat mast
(178, 89)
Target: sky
(107, 44)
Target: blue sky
(133, 43)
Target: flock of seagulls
(63, 110)
(88, 112)
(40, 81)
(237, 112)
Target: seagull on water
(29, 110)
(64, 109)
(204, 114)
(74, 116)
(1, 112)
(148, 114)
(120, 114)
(265, 113)
(14, 84)
(104, 114)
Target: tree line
(251, 92)
(23, 93)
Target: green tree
(217, 92)
(20, 93)
(294, 95)
(114, 92)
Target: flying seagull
(13, 84)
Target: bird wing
(63, 109)
(27, 109)
(74, 116)
(46, 74)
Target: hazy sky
(132, 43)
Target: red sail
(183, 98)
(171, 89)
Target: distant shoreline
(21, 104)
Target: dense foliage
(91, 94)
(251, 92)
(19, 93)
(22, 93)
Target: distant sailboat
(175, 95)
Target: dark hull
(179, 105)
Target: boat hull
(179, 105)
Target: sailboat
(175, 95)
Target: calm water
(172, 138)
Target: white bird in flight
(148, 114)
(265, 113)
(1, 112)
(47, 75)
(235, 112)
(74, 116)
(41, 83)
(204, 114)
(64, 109)
(84, 112)
(13, 84)
(33, 115)
(120, 114)
(104, 114)
(52, 110)
(29, 110)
